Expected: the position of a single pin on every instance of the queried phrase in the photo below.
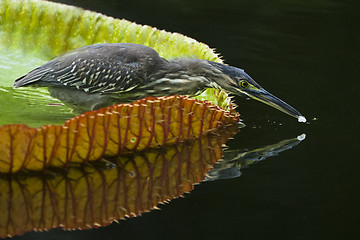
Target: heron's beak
(264, 96)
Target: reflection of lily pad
(89, 196)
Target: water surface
(303, 52)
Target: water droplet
(302, 119)
(301, 137)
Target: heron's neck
(205, 71)
(185, 76)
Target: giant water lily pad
(32, 32)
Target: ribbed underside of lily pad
(108, 132)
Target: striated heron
(100, 75)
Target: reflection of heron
(102, 74)
(235, 160)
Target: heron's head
(236, 81)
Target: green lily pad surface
(33, 32)
(26, 105)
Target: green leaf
(32, 32)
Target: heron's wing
(95, 69)
(89, 75)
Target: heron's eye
(244, 84)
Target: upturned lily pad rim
(50, 29)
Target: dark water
(305, 52)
